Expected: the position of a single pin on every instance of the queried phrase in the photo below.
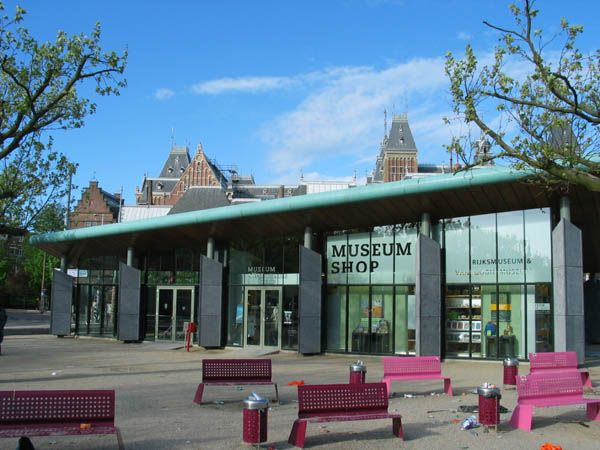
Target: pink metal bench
(235, 372)
(397, 368)
(58, 413)
(549, 389)
(558, 361)
(341, 402)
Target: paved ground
(25, 321)
(155, 385)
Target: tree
(35, 262)
(38, 94)
(555, 106)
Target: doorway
(174, 306)
(262, 320)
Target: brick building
(96, 207)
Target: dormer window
(170, 170)
(160, 186)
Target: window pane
(457, 255)
(336, 318)
(382, 303)
(382, 255)
(538, 248)
(511, 262)
(358, 304)
(405, 252)
(483, 249)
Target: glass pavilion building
(481, 264)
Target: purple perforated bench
(58, 413)
(546, 389)
(399, 368)
(558, 361)
(341, 402)
(235, 372)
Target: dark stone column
(567, 271)
(62, 299)
(210, 303)
(128, 314)
(428, 297)
(309, 302)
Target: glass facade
(498, 283)
(496, 289)
(370, 304)
(262, 301)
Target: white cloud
(344, 116)
(163, 94)
(244, 84)
(463, 36)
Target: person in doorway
(2, 323)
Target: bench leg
(521, 417)
(586, 380)
(448, 386)
(388, 383)
(119, 439)
(276, 393)
(593, 411)
(199, 392)
(298, 433)
(397, 427)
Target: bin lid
(358, 366)
(256, 401)
(488, 390)
(509, 362)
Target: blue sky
(276, 88)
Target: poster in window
(239, 314)
(377, 309)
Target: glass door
(463, 321)
(174, 306)
(263, 316)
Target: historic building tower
(398, 152)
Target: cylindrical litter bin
(489, 404)
(511, 370)
(358, 372)
(255, 419)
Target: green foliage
(38, 94)
(555, 106)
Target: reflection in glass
(382, 302)
(336, 318)
(253, 317)
(183, 313)
(405, 324)
(165, 314)
(289, 332)
(272, 318)
(359, 318)
(235, 316)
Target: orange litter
(296, 383)
(85, 426)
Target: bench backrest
(552, 361)
(329, 398)
(412, 365)
(47, 407)
(550, 385)
(236, 369)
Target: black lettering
(403, 251)
(339, 252)
(374, 265)
(364, 250)
(350, 253)
(389, 252)
(361, 266)
(375, 249)
(335, 267)
(346, 267)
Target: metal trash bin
(511, 370)
(255, 419)
(489, 404)
(358, 372)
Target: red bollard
(188, 329)
(511, 370)
(358, 372)
(489, 404)
(255, 419)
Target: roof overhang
(474, 192)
